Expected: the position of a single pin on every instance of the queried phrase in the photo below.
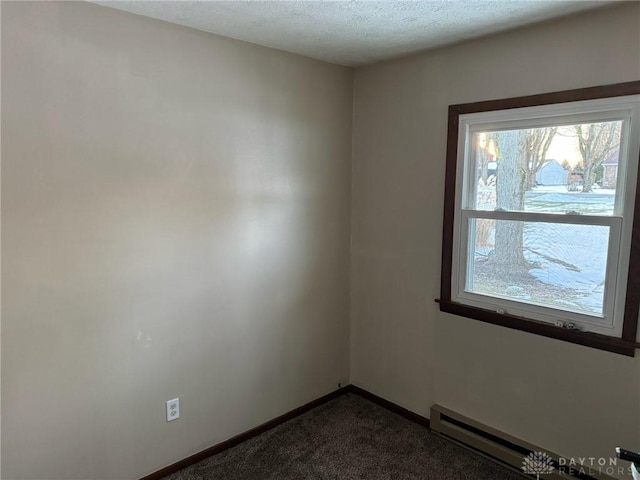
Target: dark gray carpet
(347, 438)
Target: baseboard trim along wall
(242, 437)
(505, 449)
(393, 407)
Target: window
(539, 227)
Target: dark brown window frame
(626, 344)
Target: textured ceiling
(353, 32)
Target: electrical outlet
(173, 409)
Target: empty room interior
(260, 208)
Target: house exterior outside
(610, 174)
(552, 173)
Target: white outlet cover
(173, 409)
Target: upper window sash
(625, 109)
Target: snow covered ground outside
(571, 257)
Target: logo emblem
(537, 463)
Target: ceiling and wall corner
(354, 33)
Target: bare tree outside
(596, 142)
(510, 189)
(537, 143)
(483, 161)
(485, 152)
(522, 153)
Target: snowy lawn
(569, 259)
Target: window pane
(563, 169)
(554, 265)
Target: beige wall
(175, 222)
(570, 399)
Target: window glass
(559, 169)
(561, 266)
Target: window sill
(588, 339)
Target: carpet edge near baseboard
(296, 412)
(389, 405)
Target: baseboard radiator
(513, 451)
